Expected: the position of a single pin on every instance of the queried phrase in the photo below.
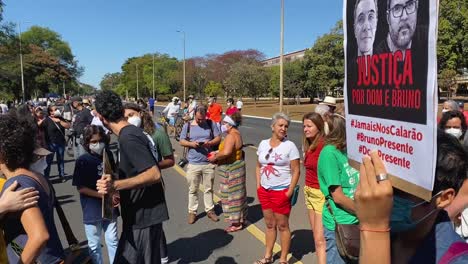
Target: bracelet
(375, 230)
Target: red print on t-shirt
(270, 170)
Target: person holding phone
(200, 136)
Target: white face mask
(456, 132)
(224, 128)
(57, 113)
(445, 110)
(97, 148)
(135, 120)
(39, 166)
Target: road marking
(252, 228)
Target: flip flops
(232, 228)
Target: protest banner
(390, 87)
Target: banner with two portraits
(391, 85)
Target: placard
(390, 87)
(107, 201)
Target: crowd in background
(336, 194)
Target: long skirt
(233, 191)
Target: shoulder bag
(347, 237)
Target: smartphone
(200, 144)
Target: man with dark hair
(200, 136)
(422, 231)
(81, 119)
(142, 194)
(402, 17)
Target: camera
(182, 162)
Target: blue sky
(104, 33)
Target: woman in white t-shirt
(277, 174)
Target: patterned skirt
(233, 191)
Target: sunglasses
(267, 156)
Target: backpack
(210, 123)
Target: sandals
(264, 260)
(232, 228)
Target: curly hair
(109, 105)
(452, 114)
(17, 142)
(91, 130)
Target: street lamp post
(153, 77)
(21, 63)
(281, 56)
(183, 32)
(136, 68)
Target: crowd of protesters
(393, 226)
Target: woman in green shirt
(338, 183)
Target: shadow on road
(200, 247)
(302, 243)
(225, 260)
(64, 199)
(255, 213)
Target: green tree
(452, 41)
(324, 63)
(446, 80)
(110, 81)
(214, 89)
(167, 80)
(247, 79)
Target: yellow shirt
(3, 254)
(235, 156)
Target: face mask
(224, 129)
(400, 219)
(39, 166)
(228, 104)
(456, 132)
(445, 110)
(97, 148)
(135, 120)
(57, 113)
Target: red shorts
(274, 200)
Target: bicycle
(182, 118)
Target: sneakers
(212, 215)
(192, 218)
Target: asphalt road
(205, 241)
(255, 130)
